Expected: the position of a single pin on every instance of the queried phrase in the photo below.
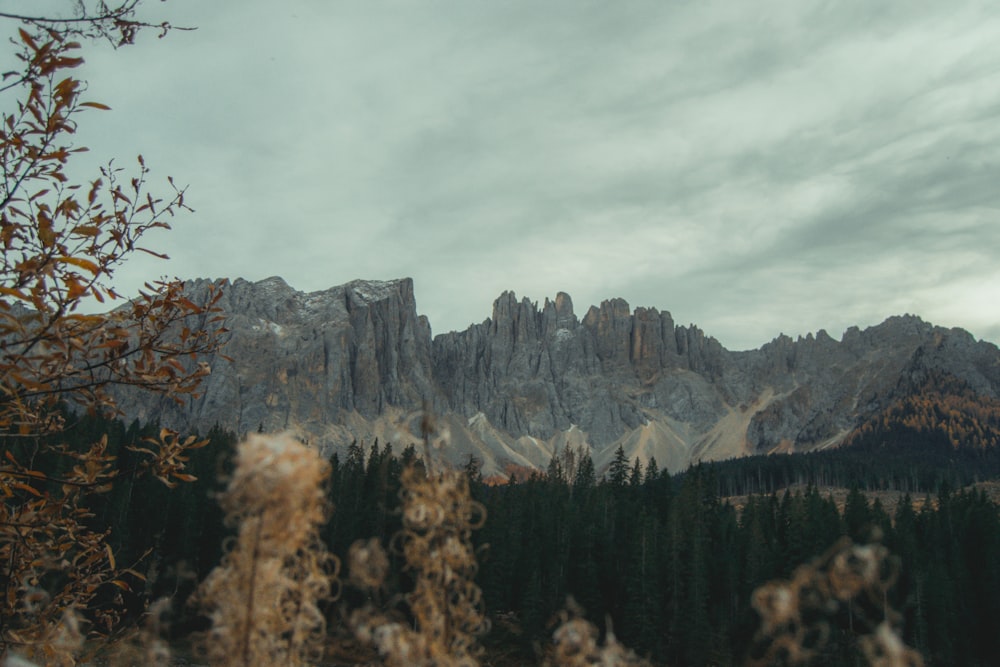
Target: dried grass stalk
(445, 606)
(575, 644)
(263, 598)
(849, 581)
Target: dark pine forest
(670, 561)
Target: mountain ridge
(356, 361)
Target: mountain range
(356, 362)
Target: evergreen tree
(641, 614)
(635, 476)
(586, 477)
(652, 470)
(554, 473)
(858, 518)
(619, 471)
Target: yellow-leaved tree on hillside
(62, 242)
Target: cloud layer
(755, 168)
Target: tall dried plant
(444, 614)
(264, 597)
(575, 644)
(849, 582)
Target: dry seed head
(369, 563)
(34, 598)
(423, 514)
(270, 468)
(576, 637)
(575, 645)
(392, 639)
(263, 598)
(777, 605)
(438, 516)
(851, 571)
(797, 615)
(884, 648)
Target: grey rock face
(356, 361)
(305, 360)
(533, 373)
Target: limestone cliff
(307, 361)
(356, 361)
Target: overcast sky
(755, 168)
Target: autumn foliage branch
(61, 244)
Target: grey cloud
(752, 167)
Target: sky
(755, 168)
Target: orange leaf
(16, 293)
(118, 195)
(26, 38)
(46, 234)
(85, 264)
(188, 305)
(86, 230)
(74, 289)
(25, 487)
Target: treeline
(668, 560)
(917, 465)
(673, 565)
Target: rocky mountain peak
(558, 315)
(356, 361)
(374, 291)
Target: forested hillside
(669, 560)
(941, 409)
